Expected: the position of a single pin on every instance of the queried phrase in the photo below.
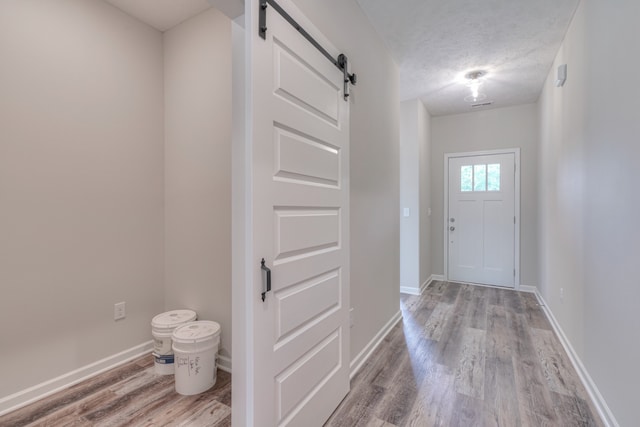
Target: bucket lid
(194, 332)
(171, 319)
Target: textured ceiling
(436, 42)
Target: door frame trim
(516, 252)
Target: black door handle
(266, 281)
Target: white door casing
(482, 218)
(298, 130)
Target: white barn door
(298, 130)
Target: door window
(485, 177)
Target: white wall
(81, 185)
(415, 168)
(589, 200)
(198, 169)
(509, 127)
(374, 165)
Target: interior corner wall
(81, 186)
(415, 195)
(424, 192)
(198, 169)
(374, 186)
(589, 202)
(409, 197)
(509, 127)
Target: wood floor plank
(436, 322)
(463, 303)
(535, 316)
(139, 415)
(500, 393)
(118, 411)
(437, 287)
(211, 414)
(139, 379)
(66, 421)
(477, 310)
(183, 408)
(469, 373)
(512, 302)
(449, 344)
(534, 397)
(376, 422)
(41, 409)
(573, 411)
(74, 414)
(387, 369)
(178, 407)
(498, 342)
(468, 412)
(495, 296)
(434, 403)
(401, 393)
(450, 293)
(556, 366)
(357, 411)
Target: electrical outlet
(119, 311)
(351, 318)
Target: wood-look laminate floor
(462, 356)
(130, 395)
(468, 356)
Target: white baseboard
(603, 409)
(425, 285)
(224, 363)
(413, 291)
(409, 290)
(529, 289)
(361, 358)
(47, 388)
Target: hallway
(468, 356)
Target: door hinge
(514, 219)
(514, 272)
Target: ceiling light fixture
(473, 80)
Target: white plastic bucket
(162, 326)
(195, 346)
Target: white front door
(299, 143)
(481, 220)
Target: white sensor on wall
(562, 75)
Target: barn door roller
(341, 62)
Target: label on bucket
(162, 345)
(164, 359)
(191, 364)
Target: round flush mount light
(475, 75)
(473, 80)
